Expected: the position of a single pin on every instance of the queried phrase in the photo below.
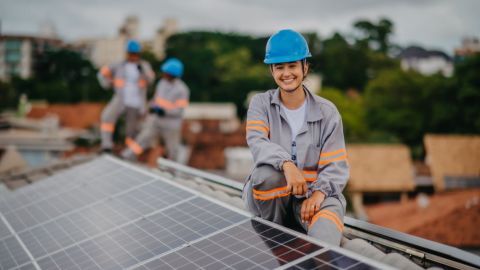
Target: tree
(467, 80)
(409, 105)
(375, 36)
(8, 96)
(342, 65)
(221, 67)
(396, 104)
(61, 76)
(352, 110)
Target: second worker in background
(166, 113)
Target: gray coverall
(320, 153)
(173, 98)
(114, 76)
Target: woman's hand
(295, 180)
(311, 206)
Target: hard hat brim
(285, 59)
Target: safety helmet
(133, 46)
(173, 67)
(286, 46)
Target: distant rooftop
(419, 52)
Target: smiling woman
(296, 139)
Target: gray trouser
(151, 130)
(265, 196)
(110, 115)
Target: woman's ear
(306, 68)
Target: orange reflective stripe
(181, 103)
(108, 127)
(106, 72)
(310, 176)
(118, 83)
(164, 103)
(265, 195)
(263, 129)
(257, 122)
(261, 198)
(284, 188)
(134, 146)
(333, 153)
(253, 122)
(167, 104)
(325, 162)
(257, 125)
(328, 215)
(142, 83)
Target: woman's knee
(265, 177)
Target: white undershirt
(295, 118)
(132, 97)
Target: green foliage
(376, 36)
(352, 110)
(221, 67)
(467, 79)
(395, 104)
(408, 105)
(342, 65)
(60, 76)
(8, 96)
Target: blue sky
(436, 24)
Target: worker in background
(298, 147)
(166, 113)
(129, 80)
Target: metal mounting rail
(423, 249)
(165, 163)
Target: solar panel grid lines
(54, 187)
(338, 253)
(140, 264)
(169, 233)
(239, 247)
(63, 177)
(31, 223)
(16, 249)
(64, 182)
(90, 237)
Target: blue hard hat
(286, 46)
(173, 66)
(133, 46)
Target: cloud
(437, 24)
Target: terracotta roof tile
(452, 155)
(81, 115)
(380, 167)
(451, 217)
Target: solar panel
(249, 244)
(107, 214)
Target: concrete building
(163, 33)
(108, 50)
(470, 46)
(426, 62)
(18, 54)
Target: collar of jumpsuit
(313, 112)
